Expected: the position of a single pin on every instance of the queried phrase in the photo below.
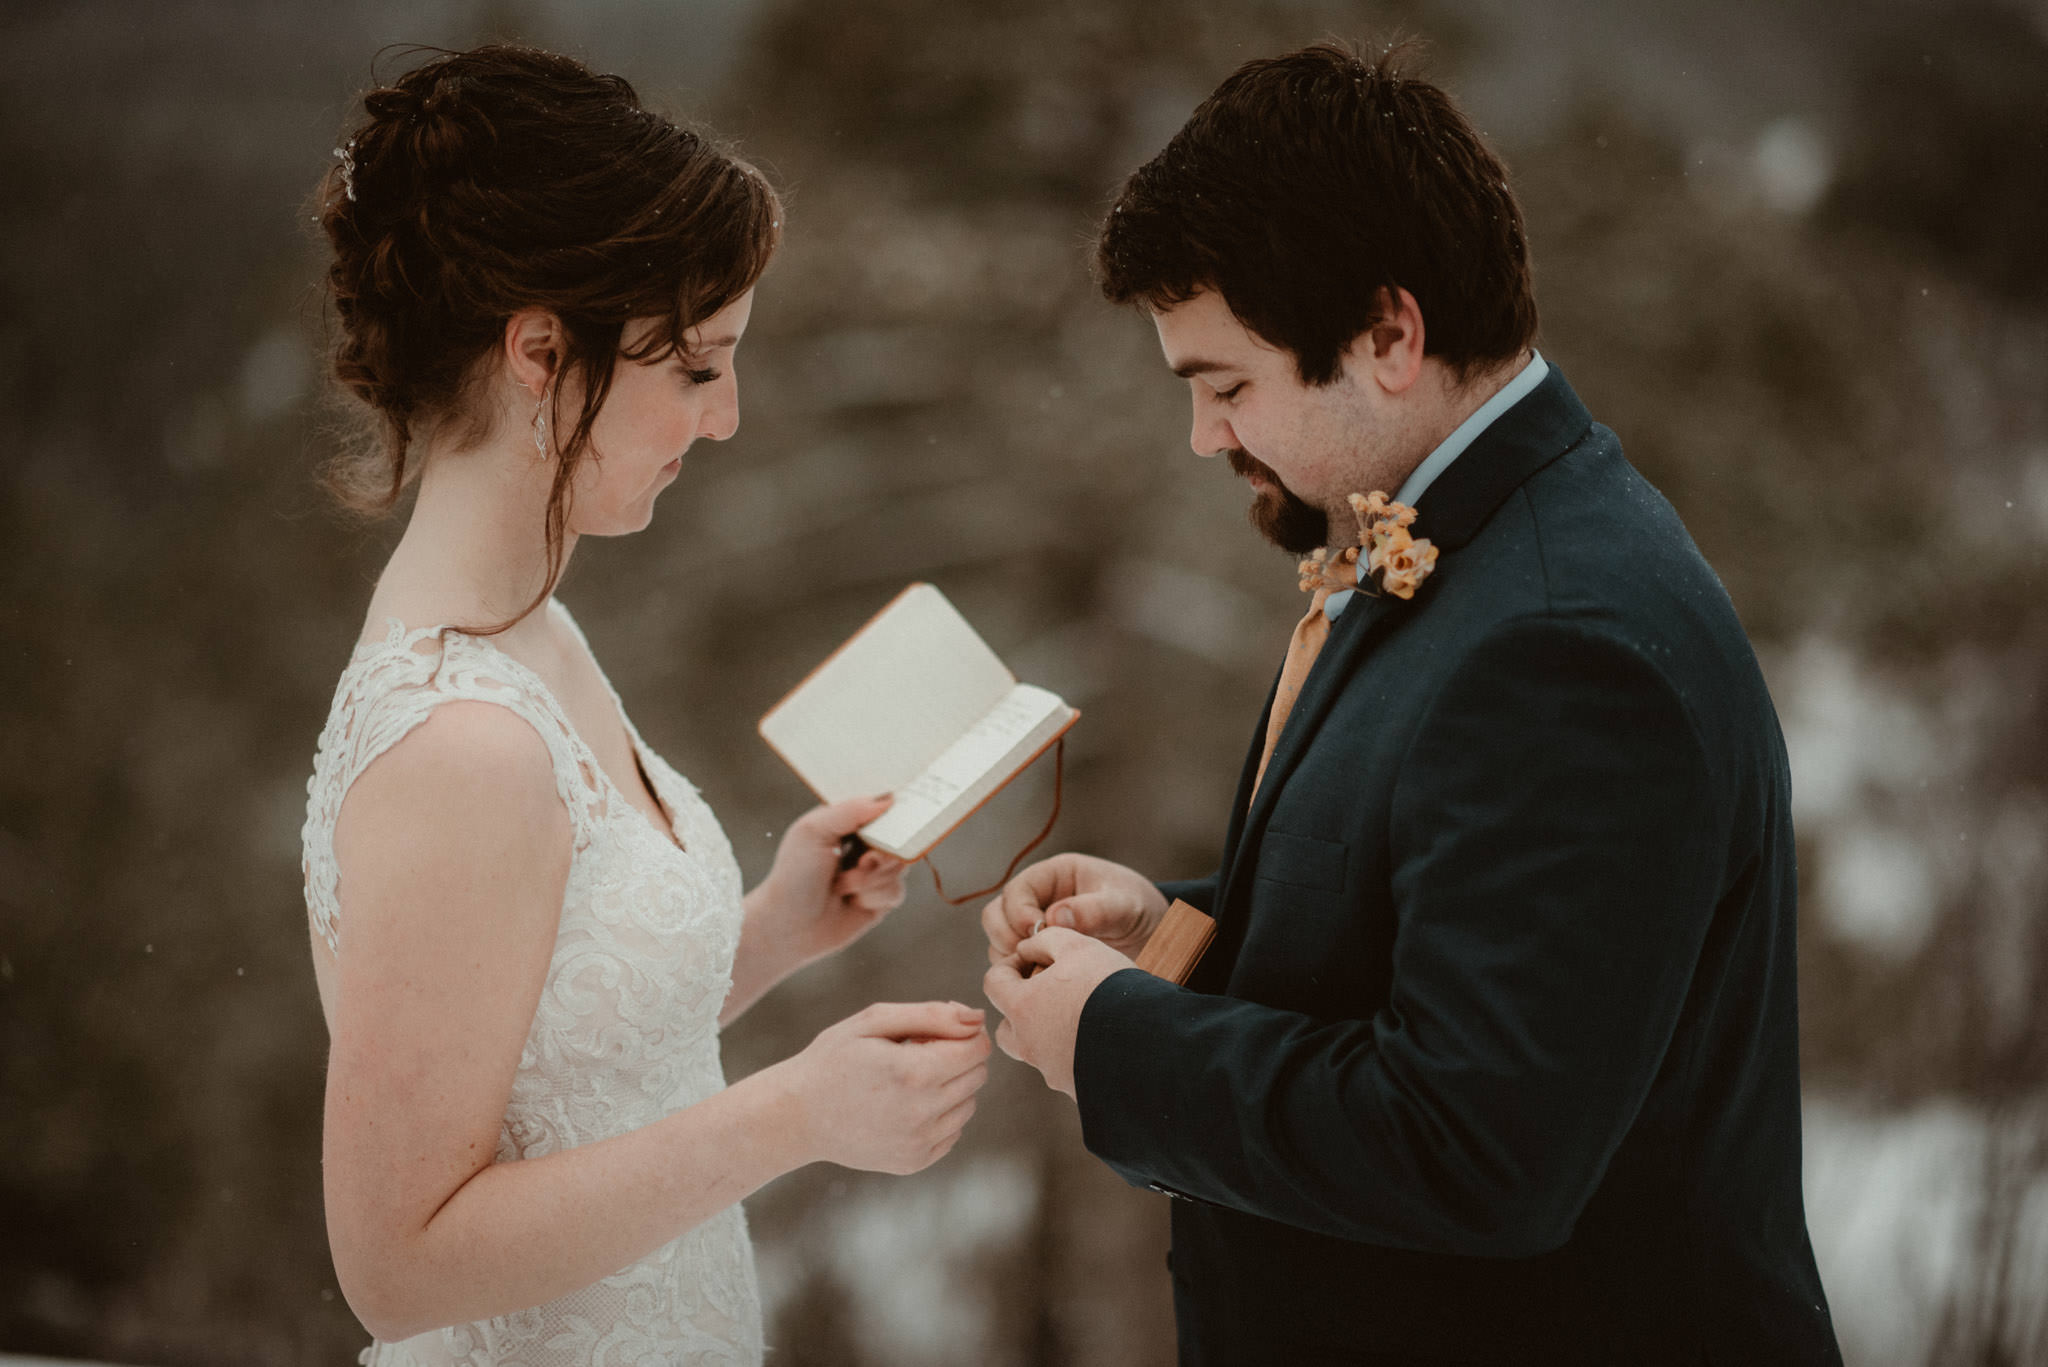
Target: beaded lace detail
(627, 1027)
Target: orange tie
(1323, 578)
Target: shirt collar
(1451, 447)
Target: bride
(527, 928)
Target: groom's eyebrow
(1189, 369)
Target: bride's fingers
(835, 821)
(877, 881)
(917, 1021)
(872, 903)
(877, 898)
(884, 876)
(941, 1061)
(953, 1119)
(964, 1086)
(874, 866)
(942, 1148)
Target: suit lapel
(1233, 838)
(1548, 422)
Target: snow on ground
(1896, 1205)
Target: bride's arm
(807, 907)
(454, 851)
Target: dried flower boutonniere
(1397, 560)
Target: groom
(1494, 1057)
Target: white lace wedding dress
(627, 1027)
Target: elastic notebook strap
(1059, 769)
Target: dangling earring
(540, 424)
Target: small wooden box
(1177, 943)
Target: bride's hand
(890, 1088)
(808, 904)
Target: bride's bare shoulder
(466, 797)
(463, 747)
(453, 851)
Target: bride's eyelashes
(697, 369)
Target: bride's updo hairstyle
(487, 182)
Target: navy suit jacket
(1495, 1056)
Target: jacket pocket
(1302, 861)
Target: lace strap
(385, 695)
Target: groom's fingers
(1034, 953)
(1006, 921)
(1044, 948)
(995, 923)
(1005, 987)
(1006, 1040)
(1002, 984)
(1026, 896)
(1103, 915)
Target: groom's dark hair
(1306, 186)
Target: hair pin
(347, 157)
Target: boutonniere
(1396, 561)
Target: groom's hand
(1042, 1012)
(1113, 904)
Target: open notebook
(915, 704)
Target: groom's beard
(1282, 517)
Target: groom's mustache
(1246, 465)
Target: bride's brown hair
(505, 178)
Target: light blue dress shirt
(1448, 450)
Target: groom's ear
(1390, 352)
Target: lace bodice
(627, 1027)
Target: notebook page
(974, 766)
(889, 702)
